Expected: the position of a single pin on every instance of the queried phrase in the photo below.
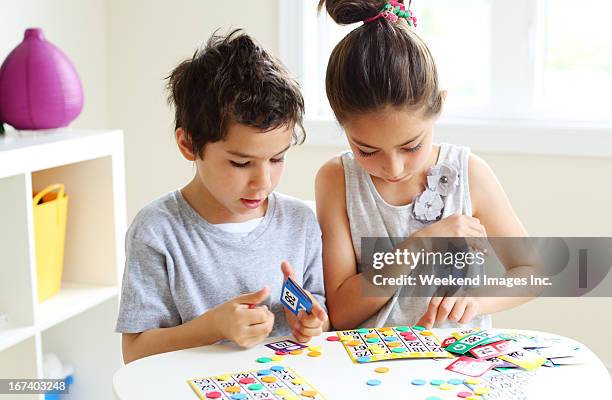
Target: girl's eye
(239, 165)
(366, 154)
(413, 149)
(277, 160)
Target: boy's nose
(261, 179)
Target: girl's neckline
(379, 198)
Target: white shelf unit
(77, 324)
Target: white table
(164, 376)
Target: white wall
(146, 40)
(124, 49)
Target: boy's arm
(236, 320)
(313, 270)
(201, 331)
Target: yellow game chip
(482, 390)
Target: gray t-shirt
(178, 266)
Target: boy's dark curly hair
(233, 79)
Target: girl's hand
(457, 225)
(461, 309)
(304, 326)
(242, 321)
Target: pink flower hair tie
(393, 11)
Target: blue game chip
(294, 298)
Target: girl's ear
(443, 93)
(184, 144)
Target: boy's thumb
(255, 297)
(287, 270)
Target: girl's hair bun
(346, 12)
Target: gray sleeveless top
(371, 216)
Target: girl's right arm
(347, 305)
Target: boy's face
(236, 175)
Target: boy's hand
(453, 308)
(242, 321)
(304, 326)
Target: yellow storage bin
(50, 208)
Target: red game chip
(246, 381)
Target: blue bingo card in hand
(294, 298)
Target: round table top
(335, 376)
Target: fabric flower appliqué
(428, 206)
(442, 180)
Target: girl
(395, 181)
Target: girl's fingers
(444, 309)
(458, 310)
(469, 313)
(428, 319)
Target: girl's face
(236, 175)
(392, 145)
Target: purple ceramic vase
(39, 86)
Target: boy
(206, 263)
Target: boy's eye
(239, 165)
(412, 149)
(277, 160)
(366, 154)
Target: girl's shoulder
(484, 186)
(330, 188)
(331, 172)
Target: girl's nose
(394, 166)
